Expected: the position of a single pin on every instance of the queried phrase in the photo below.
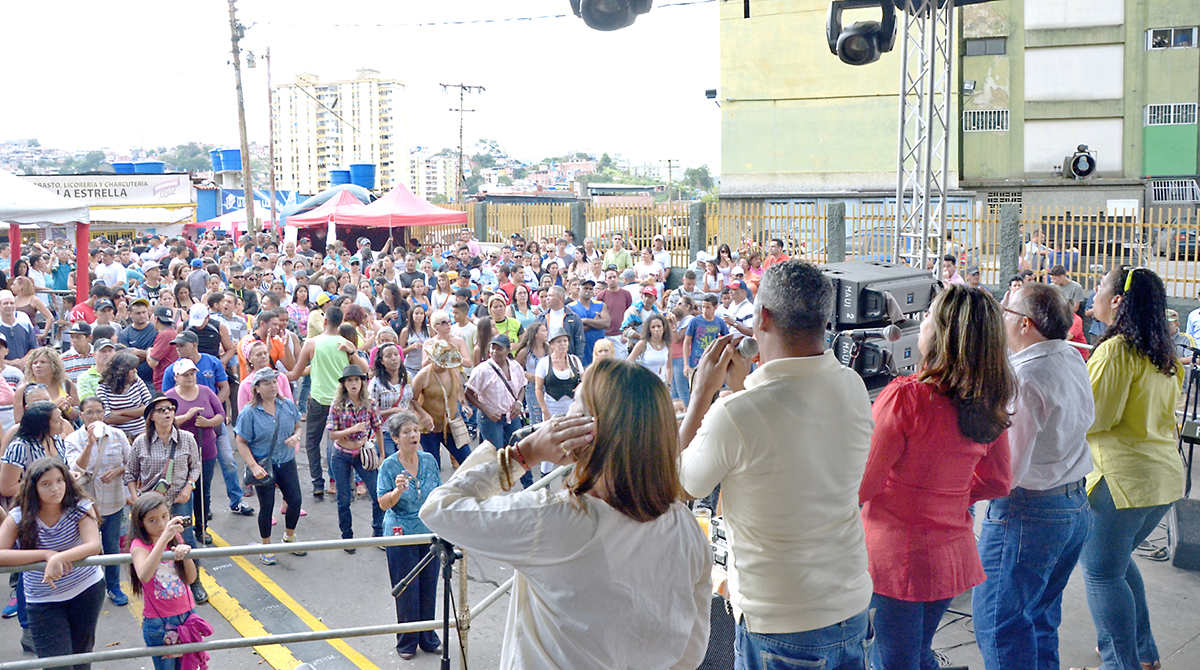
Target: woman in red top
(939, 446)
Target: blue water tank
(123, 167)
(231, 159)
(148, 167)
(363, 174)
(215, 156)
(339, 177)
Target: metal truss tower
(925, 104)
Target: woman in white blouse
(611, 572)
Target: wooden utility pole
(463, 89)
(271, 129)
(670, 176)
(236, 32)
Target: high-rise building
(323, 126)
(432, 173)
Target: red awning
(400, 208)
(338, 209)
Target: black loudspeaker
(722, 631)
(1183, 534)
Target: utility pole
(463, 90)
(236, 32)
(271, 129)
(670, 176)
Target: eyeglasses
(1011, 311)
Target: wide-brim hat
(556, 333)
(146, 413)
(352, 371)
(443, 354)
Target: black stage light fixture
(863, 41)
(1081, 165)
(609, 14)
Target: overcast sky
(81, 74)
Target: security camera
(863, 41)
(609, 14)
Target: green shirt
(88, 382)
(1133, 437)
(621, 259)
(327, 364)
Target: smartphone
(188, 521)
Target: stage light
(1081, 165)
(609, 14)
(863, 41)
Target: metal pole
(464, 611)
(248, 187)
(271, 124)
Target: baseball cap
(266, 375)
(498, 296)
(585, 282)
(108, 251)
(100, 344)
(972, 270)
(355, 260)
(197, 315)
(149, 265)
(452, 275)
(183, 365)
(140, 301)
(80, 328)
(363, 240)
(104, 303)
(658, 238)
(611, 267)
(650, 290)
(502, 340)
(164, 314)
(1172, 315)
(4, 341)
(186, 336)
(196, 263)
(322, 298)
(739, 284)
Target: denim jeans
(419, 600)
(904, 633)
(303, 393)
(67, 627)
(389, 445)
(1115, 593)
(154, 629)
(496, 432)
(842, 646)
(1029, 546)
(185, 510)
(110, 542)
(229, 471)
(432, 443)
(340, 465)
(531, 404)
(680, 388)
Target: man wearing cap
(79, 357)
(496, 388)
(109, 270)
(11, 374)
(157, 249)
(972, 276)
(1071, 289)
(636, 315)
(89, 381)
(162, 353)
(106, 312)
(618, 255)
(213, 336)
(661, 255)
(139, 337)
(740, 314)
(86, 310)
(18, 334)
(197, 279)
(152, 287)
(594, 316)
(558, 316)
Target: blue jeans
(305, 389)
(531, 404)
(110, 541)
(842, 646)
(185, 510)
(389, 446)
(904, 633)
(233, 485)
(1029, 546)
(496, 432)
(154, 629)
(679, 382)
(340, 464)
(1115, 593)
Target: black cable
(510, 19)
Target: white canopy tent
(24, 202)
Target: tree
(33, 143)
(520, 172)
(504, 180)
(88, 163)
(438, 199)
(698, 178)
(605, 162)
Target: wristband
(520, 456)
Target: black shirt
(406, 278)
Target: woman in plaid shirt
(353, 421)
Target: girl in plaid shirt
(353, 421)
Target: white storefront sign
(120, 189)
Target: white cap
(197, 315)
(183, 365)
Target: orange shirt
(275, 347)
(770, 260)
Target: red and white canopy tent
(23, 202)
(232, 223)
(398, 208)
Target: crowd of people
(185, 353)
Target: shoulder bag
(522, 418)
(457, 426)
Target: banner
(120, 189)
(232, 199)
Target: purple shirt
(209, 406)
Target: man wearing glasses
(237, 286)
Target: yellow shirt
(1133, 439)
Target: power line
(511, 19)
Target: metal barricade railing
(462, 616)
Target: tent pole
(14, 245)
(82, 258)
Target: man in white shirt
(794, 435)
(662, 256)
(1037, 532)
(740, 313)
(109, 270)
(157, 249)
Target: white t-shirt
(554, 318)
(111, 274)
(643, 270)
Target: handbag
(163, 483)
(458, 427)
(265, 464)
(369, 455)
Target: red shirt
(922, 475)
(83, 312)
(165, 353)
(770, 260)
(1076, 335)
(618, 301)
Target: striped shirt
(76, 363)
(21, 453)
(135, 395)
(62, 536)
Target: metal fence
(638, 224)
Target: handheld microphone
(891, 333)
(748, 347)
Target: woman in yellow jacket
(1136, 378)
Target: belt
(1056, 491)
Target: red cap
(651, 290)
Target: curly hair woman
(124, 395)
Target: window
(984, 120)
(1170, 38)
(997, 198)
(1171, 114)
(988, 46)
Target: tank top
(30, 311)
(327, 364)
(655, 360)
(412, 360)
(558, 388)
(210, 339)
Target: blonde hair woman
(44, 367)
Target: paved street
(336, 590)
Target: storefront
(124, 205)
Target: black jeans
(67, 627)
(287, 478)
(203, 495)
(315, 415)
(419, 600)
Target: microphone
(748, 347)
(891, 333)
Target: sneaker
(291, 539)
(267, 559)
(118, 597)
(199, 594)
(243, 509)
(10, 610)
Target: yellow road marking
(135, 603)
(243, 622)
(287, 601)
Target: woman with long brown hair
(597, 547)
(939, 446)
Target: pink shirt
(165, 594)
(246, 390)
(489, 385)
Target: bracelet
(502, 460)
(520, 457)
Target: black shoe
(318, 494)
(208, 515)
(350, 550)
(243, 509)
(27, 641)
(205, 539)
(199, 594)
(406, 655)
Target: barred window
(1170, 38)
(983, 120)
(997, 198)
(1171, 114)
